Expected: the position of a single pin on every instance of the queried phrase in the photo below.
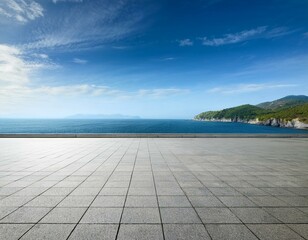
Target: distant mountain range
(102, 116)
(290, 111)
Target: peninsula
(290, 111)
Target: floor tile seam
(126, 196)
(74, 188)
(157, 200)
(121, 144)
(200, 219)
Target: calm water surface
(132, 126)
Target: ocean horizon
(115, 126)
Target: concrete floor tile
(197, 191)
(102, 215)
(49, 231)
(77, 201)
(274, 232)
(45, 201)
(108, 201)
(230, 232)
(268, 201)
(64, 215)
(297, 201)
(254, 215)
(82, 191)
(236, 201)
(301, 229)
(141, 201)
(113, 191)
(140, 215)
(179, 215)
(94, 231)
(185, 232)
(140, 232)
(205, 201)
(13, 231)
(26, 215)
(173, 201)
(224, 191)
(217, 215)
(6, 210)
(288, 215)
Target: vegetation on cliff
(300, 112)
(286, 102)
(244, 112)
(288, 108)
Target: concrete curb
(154, 135)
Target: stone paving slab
(154, 188)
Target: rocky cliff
(273, 122)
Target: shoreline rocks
(273, 122)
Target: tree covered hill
(287, 108)
(244, 112)
(300, 112)
(286, 102)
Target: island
(290, 111)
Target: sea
(134, 126)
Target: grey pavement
(154, 188)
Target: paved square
(156, 188)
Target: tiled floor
(154, 189)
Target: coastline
(272, 122)
(154, 135)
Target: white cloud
(21, 10)
(13, 69)
(16, 69)
(234, 37)
(246, 88)
(19, 85)
(80, 61)
(185, 42)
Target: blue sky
(154, 59)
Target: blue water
(132, 126)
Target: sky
(149, 58)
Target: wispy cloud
(91, 24)
(40, 55)
(185, 42)
(234, 37)
(80, 61)
(73, 1)
(271, 65)
(21, 11)
(259, 32)
(168, 59)
(161, 92)
(246, 88)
